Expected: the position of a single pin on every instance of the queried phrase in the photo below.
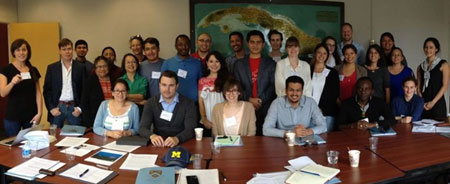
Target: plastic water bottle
(26, 151)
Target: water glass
(373, 141)
(53, 130)
(215, 148)
(198, 161)
(333, 157)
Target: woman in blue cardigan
(117, 117)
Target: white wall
(8, 11)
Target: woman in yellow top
(233, 117)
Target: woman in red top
(349, 72)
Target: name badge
(231, 121)
(166, 115)
(341, 77)
(182, 73)
(25, 75)
(204, 94)
(117, 123)
(156, 75)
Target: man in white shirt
(62, 87)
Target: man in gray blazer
(170, 118)
(257, 76)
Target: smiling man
(168, 119)
(294, 112)
(188, 69)
(364, 111)
(150, 68)
(237, 45)
(203, 47)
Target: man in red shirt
(257, 76)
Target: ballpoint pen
(82, 174)
(223, 176)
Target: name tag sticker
(341, 77)
(182, 73)
(156, 75)
(231, 121)
(166, 115)
(25, 75)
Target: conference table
(396, 157)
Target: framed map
(309, 21)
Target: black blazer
(330, 93)
(53, 85)
(91, 99)
(182, 124)
(266, 79)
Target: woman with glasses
(96, 89)
(117, 117)
(333, 59)
(233, 117)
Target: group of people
(243, 94)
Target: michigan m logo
(176, 154)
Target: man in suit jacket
(257, 76)
(63, 87)
(168, 119)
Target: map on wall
(308, 22)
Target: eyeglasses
(235, 91)
(120, 91)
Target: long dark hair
(16, 44)
(335, 54)
(222, 74)
(381, 62)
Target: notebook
(156, 175)
(312, 174)
(377, 132)
(231, 140)
(72, 130)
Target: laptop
(11, 141)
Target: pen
(82, 174)
(310, 173)
(231, 139)
(223, 176)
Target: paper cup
(198, 134)
(353, 156)
(290, 138)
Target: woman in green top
(137, 83)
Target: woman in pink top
(233, 117)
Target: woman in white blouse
(290, 66)
(325, 85)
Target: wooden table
(269, 154)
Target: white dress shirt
(285, 70)
(66, 92)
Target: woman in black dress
(433, 75)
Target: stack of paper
(88, 174)
(139, 161)
(231, 140)
(125, 148)
(312, 139)
(29, 170)
(210, 176)
(71, 141)
(270, 178)
(105, 157)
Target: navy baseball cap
(177, 157)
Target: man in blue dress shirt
(294, 112)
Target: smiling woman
(19, 81)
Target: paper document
(442, 129)
(88, 173)
(424, 129)
(77, 151)
(105, 157)
(29, 170)
(125, 148)
(270, 178)
(139, 161)
(231, 140)
(301, 162)
(210, 176)
(71, 141)
(426, 122)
